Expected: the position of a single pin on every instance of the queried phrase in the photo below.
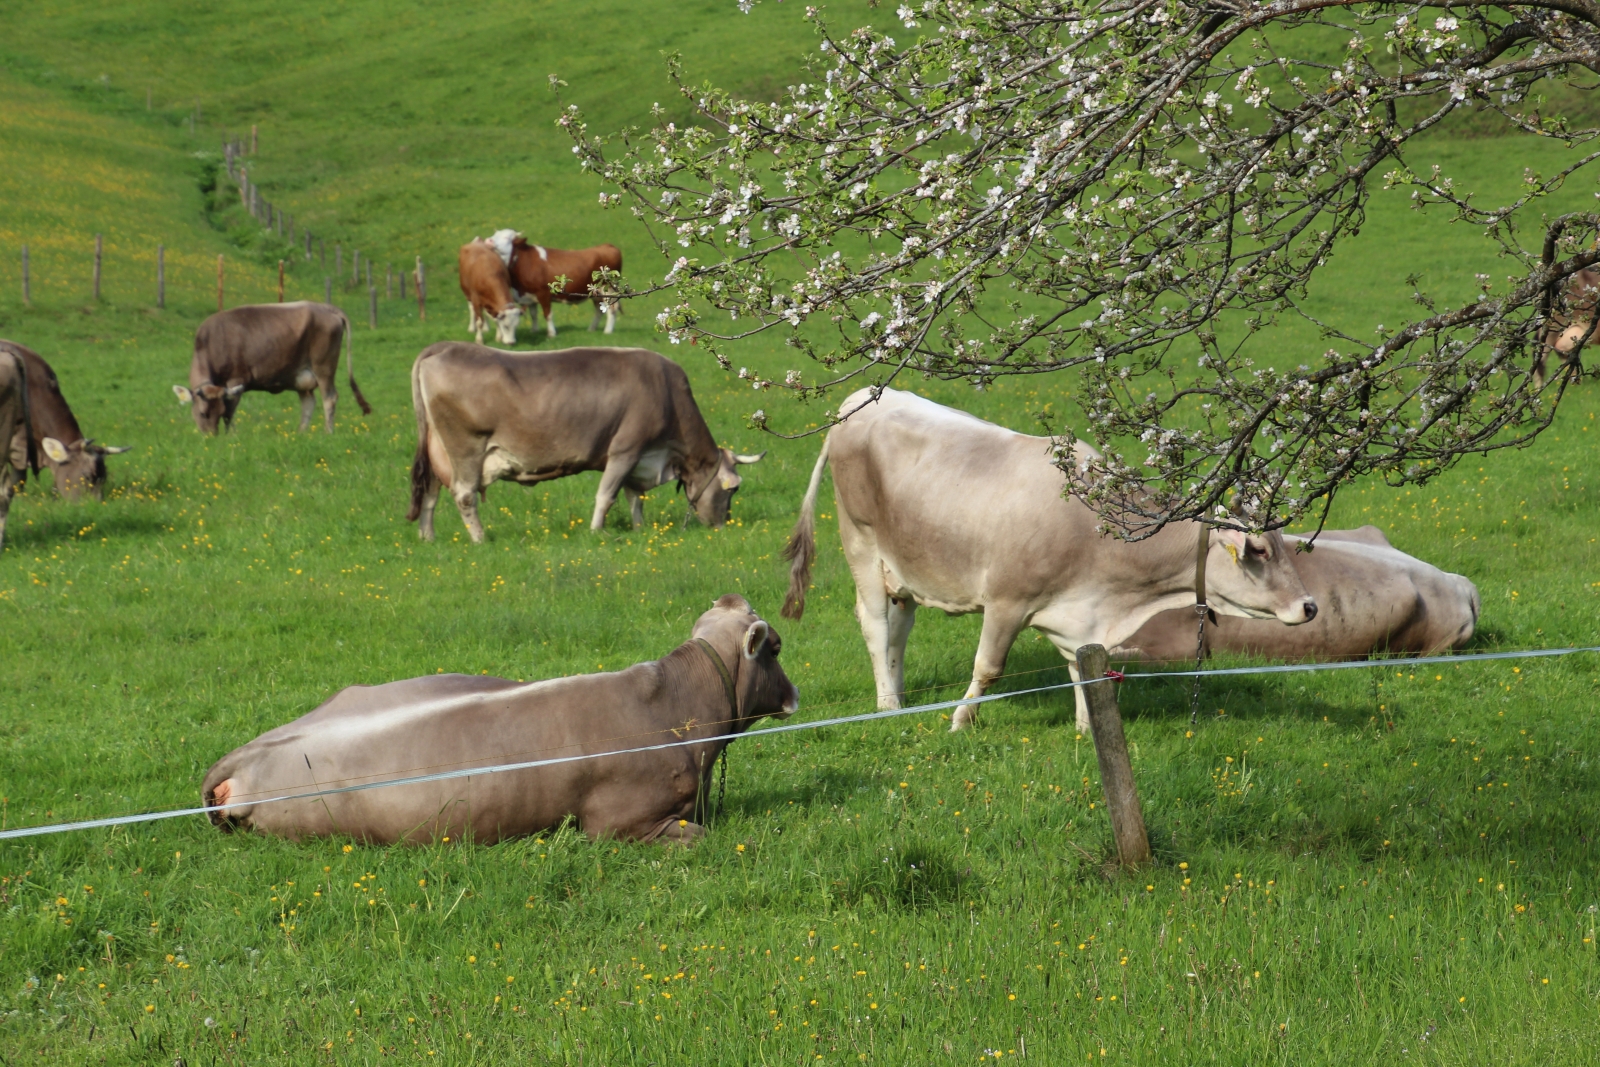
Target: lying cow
(487, 286)
(940, 509)
(1373, 599)
(270, 348)
(484, 414)
(535, 270)
(1572, 329)
(725, 677)
(50, 437)
(13, 421)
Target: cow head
(505, 325)
(751, 644)
(80, 467)
(1252, 576)
(713, 500)
(211, 403)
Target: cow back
(265, 346)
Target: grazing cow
(484, 414)
(51, 437)
(13, 421)
(725, 677)
(271, 348)
(1373, 599)
(487, 286)
(1575, 326)
(535, 269)
(940, 509)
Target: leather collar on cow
(727, 680)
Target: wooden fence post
(219, 281)
(98, 249)
(338, 260)
(147, 99)
(355, 266)
(327, 289)
(161, 276)
(252, 139)
(372, 307)
(27, 283)
(279, 213)
(1111, 750)
(388, 281)
(369, 273)
(308, 245)
(280, 281)
(422, 293)
(322, 250)
(402, 285)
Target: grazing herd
(936, 508)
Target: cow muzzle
(1300, 611)
(791, 703)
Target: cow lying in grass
(1373, 599)
(725, 677)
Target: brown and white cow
(13, 421)
(51, 437)
(487, 286)
(269, 348)
(1571, 329)
(725, 677)
(1372, 597)
(535, 270)
(484, 414)
(940, 509)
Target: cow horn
(234, 390)
(116, 450)
(747, 458)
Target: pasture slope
(1387, 865)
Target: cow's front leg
(550, 319)
(885, 626)
(594, 322)
(307, 402)
(635, 505)
(611, 315)
(1080, 702)
(430, 499)
(611, 479)
(330, 401)
(1001, 624)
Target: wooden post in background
(402, 285)
(422, 293)
(308, 245)
(279, 213)
(219, 281)
(338, 260)
(27, 282)
(322, 250)
(369, 273)
(1111, 750)
(99, 247)
(372, 307)
(161, 276)
(388, 281)
(280, 281)
(327, 289)
(355, 266)
(252, 139)
(147, 99)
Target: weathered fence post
(219, 281)
(308, 245)
(327, 289)
(1111, 750)
(98, 249)
(161, 276)
(322, 250)
(355, 266)
(252, 139)
(388, 281)
(369, 273)
(402, 285)
(280, 281)
(372, 307)
(338, 260)
(27, 283)
(422, 292)
(147, 99)
(279, 213)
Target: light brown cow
(487, 286)
(51, 438)
(1373, 599)
(535, 270)
(13, 423)
(1571, 330)
(271, 348)
(725, 677)
(484, 414)
(940, 509)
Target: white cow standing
(940, 509)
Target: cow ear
(1232, 541)
(756, 458)
(730, 481)
(755, 637)
(234, 391)
(55, 450)
(183, 395)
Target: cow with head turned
(269, 348)
(940, 509)
(50, 437)
(484, 414)
(715, 684)
(557, 275)
(487, 287)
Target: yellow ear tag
(1233, 552)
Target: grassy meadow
(1392, 864)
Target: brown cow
(487, 286)
(725, 677)
(535, 268)
(52, 438)
(484, 414)
(1570, 330)
(1373, 599)
(271, 348)
(13, 420)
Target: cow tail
(421, 466)
(801, 551)
(350, 367)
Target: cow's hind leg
(465, 487)
(307, 405)
(330, 401)
(1001, 624)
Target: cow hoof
(963, 718)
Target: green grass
(1390, 868)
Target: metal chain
(1199, 659)
(722, 781)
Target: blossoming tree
(1028, 186)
